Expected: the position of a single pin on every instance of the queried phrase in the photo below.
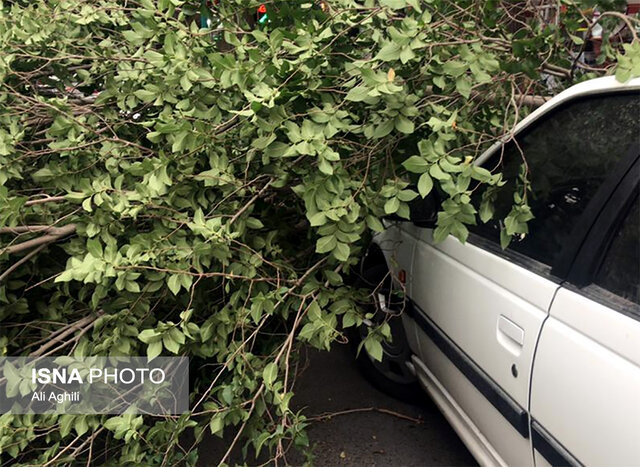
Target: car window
(568, 154)
(620, 269)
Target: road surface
(401, 435)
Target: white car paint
(584, 381)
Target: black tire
(391, 376)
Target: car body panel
(495, 442)
(586, 381)
(471, 434)
(467, 291)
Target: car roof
(586, 88)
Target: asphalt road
(402, 435)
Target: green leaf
(439, 81)
(326, 244)
(576, 40)
(65, 423)
(216, 425)
(348, 320)
(404, 125)
(373, 348)
(144, 95)
(13, 379)
(259, 35)
(391, 205)
(66, 276)
(94, 247)
(269, 374)
(154, 349)
(629, 63)
(463, 86)
(341, 251)
(185, 82)
(425, 184)
(254, 223)
(407, 195)
(86, 205)
(318, 219)
(325, 167)
(174, 283)
(264, 141)
(518, 48)
(278, 149)
(384, 129)
(81, 426)
(389, 52)
(169, 344)
(180, 141)
(407, 54)
(440, 234)
(149, 335)
(455, 68)
(357, 94)
(486, 211)
(505, 239)
(374, 224)
(403, 211)
(416, 164)
(481, 174)
(460, 231)
(113, 423)
(394, 4)
(436, 172)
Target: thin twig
(48, 199)
(22, 260)
(330, 415)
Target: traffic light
(261, 15)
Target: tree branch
(20, 229)
(87, 321)
(62, 232)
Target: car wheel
(391, 375)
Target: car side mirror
(424, 212)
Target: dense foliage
(167, 189)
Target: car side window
(568, 154)
(619, 273)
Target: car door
(479, 308)
(586, 378)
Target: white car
(532, 352)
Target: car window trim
(588, 219)
(514, 257)
(599, 294)
(601, 233)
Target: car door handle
(511, 330)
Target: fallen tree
(171, 189)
